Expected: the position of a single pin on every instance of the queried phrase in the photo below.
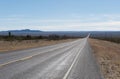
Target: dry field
(108, 56)
(18, 45)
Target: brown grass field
(19, 45)
(108, 56)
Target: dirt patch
(108, 55)
(18, 45)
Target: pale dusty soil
(108, 56)
(18, 45)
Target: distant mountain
(25, 32)
(21, 32)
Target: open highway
(70, 60)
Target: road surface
(71, 60)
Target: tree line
(111, 39)
(11, 37)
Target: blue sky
(60, 15)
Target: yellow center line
(22, 59)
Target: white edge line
(68, 72)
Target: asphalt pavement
(70, 60)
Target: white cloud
(91, 22)
(109, 26)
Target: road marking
(26, 58)
(68, 72)
(22, 59)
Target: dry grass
(17, 45)
(108, 55)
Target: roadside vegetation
(111, 39)
(11, 37)
(108, 55)
(11, 42)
